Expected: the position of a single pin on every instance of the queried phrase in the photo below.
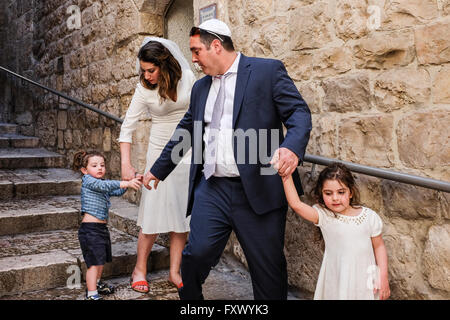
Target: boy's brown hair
(81, 159)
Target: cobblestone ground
(229, 280)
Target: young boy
(95, 241)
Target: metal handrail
(367, 170)
(58, 93)
(384, 174)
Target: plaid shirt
(95, 195)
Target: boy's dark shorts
(95, 243)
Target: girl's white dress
(349, 270)
(164, 209)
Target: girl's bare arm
(379, 250)
(302, 209)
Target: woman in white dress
(164, 92)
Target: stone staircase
(40, 256)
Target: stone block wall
(4, 109)
(375, 74)
(87, 53)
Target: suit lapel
(241, 85)
(203, 96)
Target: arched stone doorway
(178, 20)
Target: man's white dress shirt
(225, 162)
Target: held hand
(285, 161)
(276, 164)
(128, 172)
(149, 177)
(140, 177)
(135, 184)
(275, 160)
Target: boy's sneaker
(94, 297)
(104, 288)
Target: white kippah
(216, 26)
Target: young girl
(93, 234)
(354, 264)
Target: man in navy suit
(238, 192)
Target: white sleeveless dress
(164, 209)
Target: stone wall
(91, 59)
(378, 88)
(4, 109)
(178, 23)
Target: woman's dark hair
(207, 38)
(170, 70)
(81, 159)
(337, 171)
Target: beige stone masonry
(385, 49)
(433, 43)
(374, 73)
(440, 88)
(347, 93)
(423, 140)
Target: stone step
(13, 158)
(8, 128)
(39, 214)
(25, 183)
(228, 280)
(9, 140)
(53, 259)
(123, 216)
(160, 289)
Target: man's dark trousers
(220, 206)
